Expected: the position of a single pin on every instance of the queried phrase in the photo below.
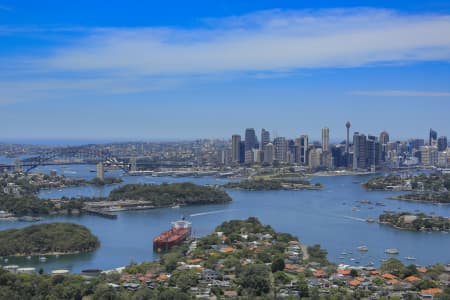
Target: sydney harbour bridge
(86, 155)
(69, 156)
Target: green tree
(392, 265)
(104, 292)
(255, 279)
(277, 264)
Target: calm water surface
(315, 217)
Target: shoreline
(49, 253)
(400, 198)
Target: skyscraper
(250, 139)
(373, 152)
(265, 138)
(442, 143)
(280, 146)
(433, 137)
(325, 139)
(304, 149)
(384, 138)
(359, 151)
(268, 153)
(383, 143)
(235, 148)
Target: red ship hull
(170, 238)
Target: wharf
(100, 212)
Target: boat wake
(354, 218)
(212, 212)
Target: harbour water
(332, 217)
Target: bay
(322, 217)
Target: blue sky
(181, 70)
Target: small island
(272, 184)
(415, 222)
(46, 239)
(165, 195)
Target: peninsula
(272, 184)
(415, 222)
(44, 239)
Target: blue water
(316, 217)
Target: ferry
(180, 231)
(363, 248)
(391, 251)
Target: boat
(28, 257)
(391, 251)
(176, 206)
(380, 204)
(29, 219)
(370, 220)
(370, 264)
(179, 232)
(115, 208)
(363, 248)
(410, 258)
(42, 259)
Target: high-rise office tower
(268, 153)
(432, 138)
(417, 143)
(280, 146)
(241, 152)
(265, 138)
(359, 151)
(250, 139)
(383, 142)
(384, 138)
(347, 125)
(304, 149)
(314, 159)
(442, 143)
(325, 139)
(373, 152)
(235, 148)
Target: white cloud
(264, 41)
(262, 45)
(400, 93)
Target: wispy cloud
(401, 93)
(262, 45)
(265, 41)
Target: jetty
(99, 212)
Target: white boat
(410, 258)
(28, 257)
(391, 251)
(115, 208)
(176, 206)
(42, 259)
(363, 248)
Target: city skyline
(86, 71)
